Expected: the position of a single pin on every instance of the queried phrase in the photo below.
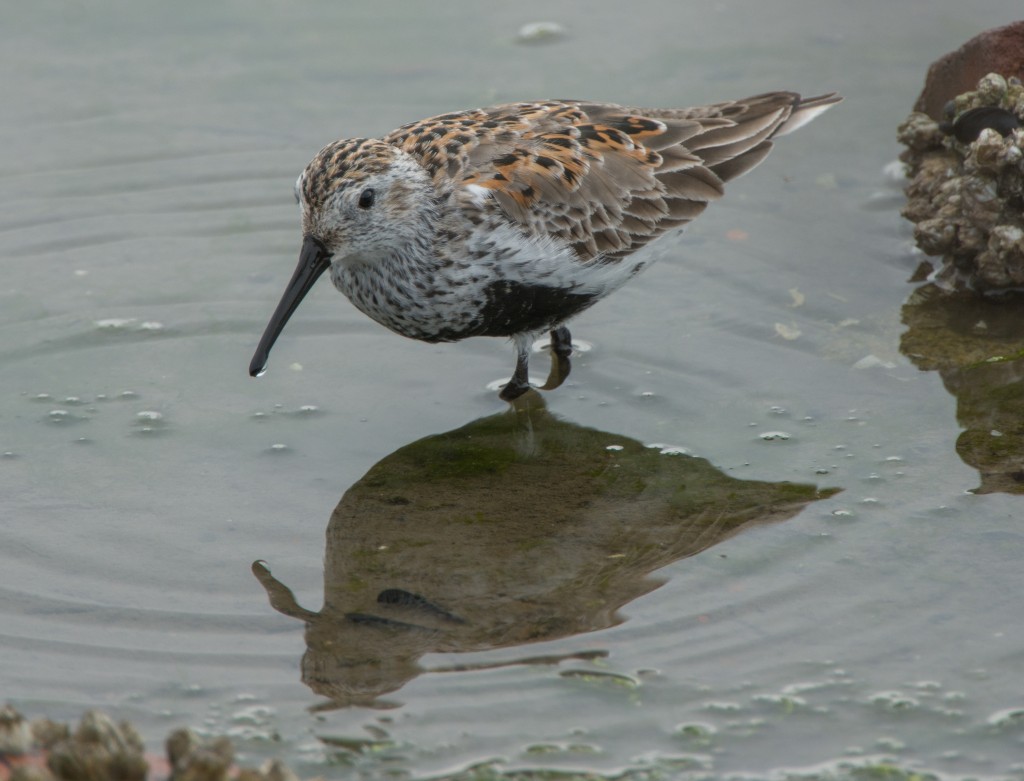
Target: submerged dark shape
(514, 529)
(968, 126)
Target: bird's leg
(520, 382)
(561, 349)
(561, 342)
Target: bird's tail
(806, 109)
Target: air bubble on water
(101, 397)
(73, 400)
(9, 454)
(894, 701)
(894, 459)
(42, 397)
(57, 415)
(696, 731)
(149, 416)
(871, 361)
(279, 447)
(83, 441)
(1007, 718)
(672, 450)
(784, 702)
(259, 415)
(775, 436)
(669, 450)
(114, 323)
(842, 513)
(128, 394)
(647, 394)
(151, 325)
(540, 32)
(778, 411)
(890, 744)
(254, 715)
(723, 707)
(822, 471)
(309, 409)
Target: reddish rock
(1000, 50)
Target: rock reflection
(977, 346)
(514, 529)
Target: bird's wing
(604, 178)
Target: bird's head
(362, 201)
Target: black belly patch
(514, 308)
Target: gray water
(148, 227)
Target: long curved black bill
(314, 260)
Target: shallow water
(148, 227)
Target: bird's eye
(366, 198)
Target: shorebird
(509, 220)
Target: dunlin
(508, 221)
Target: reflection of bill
(976, 344)
(513, 529)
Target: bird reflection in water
(516, 528)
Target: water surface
(147, 230)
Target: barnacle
(966, 188)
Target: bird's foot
(560, 368)
(520, 381)
(513, 390)
(561, 349)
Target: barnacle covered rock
(98, 750)
(15, 732)
(966, 189)
(998, 50)
(195, 759)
